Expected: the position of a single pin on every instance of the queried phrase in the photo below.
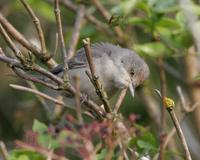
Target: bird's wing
(80, 60)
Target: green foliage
(145, 143)
(102, 154)
(22, 154)
(152, 49)
(44, 137)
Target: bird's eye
(132, 72)
(122, 61)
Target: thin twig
(56, 46)
(186, 110)
(99, 25)
(120, 100)
(40, 150)
(185, 107)
(46, 73)
(163, 94)
(3, 151)
(76, 31)
(38, 27)
(11, 61)
(23, 41)
(41, 99)
(94, 78)
(180, 133)
(77, 99)
(107, 16)
(14, 63)
(10, 43)
(61, 38)
(22, 88)
(27, 77)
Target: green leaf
(45, 140)
(142, 5)
(23, 154)
(43, 9)
(139, 21)
(124, 7)
(39, 127)
(23, 157)
(153, 49)
(145, 145)
(168, 23)
(102, 154)
(163, 6)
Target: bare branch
(76, 31)
(99, 25)
(11, 61)
(60, 35)
(3, 151)
(41, 99)
(14, 63)
(186, 110)
(94, 78)
(25, 76)
(120, 100)
(37, 26)
(107, 16)
(22, 88)
(16, 51)
(23, 41)
(180, 133)
(77, 98)
(56, 46)
(163, 94)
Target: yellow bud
(169, 103)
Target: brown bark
(191, 71)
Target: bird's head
(137, 70)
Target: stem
(180, 134)
(163, 94)
(94, 78)
(76, 31)
(3, 151)
(61, 38)
(37, 26)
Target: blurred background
(153, 28)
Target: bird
(116, 67)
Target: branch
(94, 78)
(22, 88)
(41, 99)
(120, 100)
(23, 41)
(61, 38)
(107, 16)
(186, 109)
(10, 43)
(27, 77)
(10, 61)
(77, 99)
(3, 151)
(99, 25)
(37, 26)
(179, 132)
(14, 63)
(163, 94)
(76, 31)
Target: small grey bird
(116, 67)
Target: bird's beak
(132, 89)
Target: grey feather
(114, 66)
